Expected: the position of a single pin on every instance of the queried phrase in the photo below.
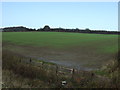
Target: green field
(105, 43)
(62, 46)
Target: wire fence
(51, 67)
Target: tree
(87, 29)
(46, 28)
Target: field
(81, 51)
(47, 59)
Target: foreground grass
(61, 40)
(18, 74)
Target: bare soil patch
(84, 58)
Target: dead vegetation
(22, 74)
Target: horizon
(60, 27)
(95, 15)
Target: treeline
(48, 29)
(17, 29)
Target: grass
(101, 72)
(89, 51)
(21, 75)
(27, 71)
(62, 40)
(36, 77)
(45, 62)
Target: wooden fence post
(20, 60)
(72, 72)
(56, 73)
(42, 63)
(92, 75)
(30, 60)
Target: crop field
(82, 51)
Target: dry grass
(18, 74)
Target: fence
(51, 67)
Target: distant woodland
(48, 29)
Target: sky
(82, 15)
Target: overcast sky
(92, 15)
